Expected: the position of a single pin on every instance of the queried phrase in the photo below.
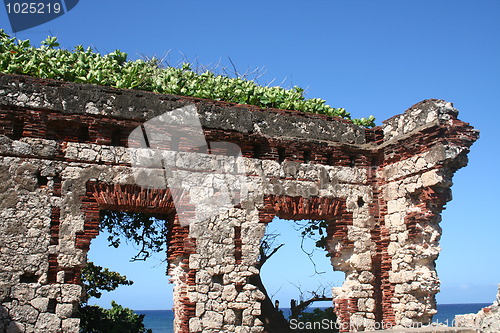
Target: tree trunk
(273, 319)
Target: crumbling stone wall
(487, 320)
(64, 157)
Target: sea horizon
(161, 321)
(321, 307)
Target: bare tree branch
(264, 257)
(236, 73)
(277, 291)
(318, 295)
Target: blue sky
(370, 57)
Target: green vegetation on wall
(117, 319)
(86, 66)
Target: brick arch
(338, 217)
(132, 198)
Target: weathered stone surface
(212, 319)
(48, 322)
(486, 321)
(40, 303)
(70, 98)
(71, 325)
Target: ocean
(161, 321)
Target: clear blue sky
(370, 57)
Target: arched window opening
(296, 271)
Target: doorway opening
(147, 215)
(131, 249)
(296, 271)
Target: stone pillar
(227, 248)
(422, 149)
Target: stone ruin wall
(487, 320)
(64, 157)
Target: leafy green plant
(95, 319)
(316, 230)
(96, 279)
(144, 230)
(86, 66)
